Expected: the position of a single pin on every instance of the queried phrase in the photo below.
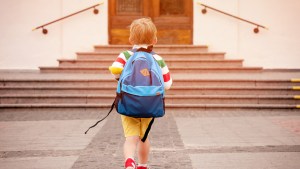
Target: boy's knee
(146, 141)
(133, 139)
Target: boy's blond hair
(142, 31)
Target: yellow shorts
(135, 126)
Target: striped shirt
(124, 56)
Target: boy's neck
(144, 48)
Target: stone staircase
(180, 59)
(203, 81)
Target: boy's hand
(115, 70)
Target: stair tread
(167, 96)
(110, 78)
(18, 75)
(173, 87)
(158, 45)
(234, 105)
(167, 105)
(235, 87)
(199, 68)
(160, 53)
(175, 59)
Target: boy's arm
(167, 78)
(165, 71)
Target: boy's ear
(154, 41)
(130, 41)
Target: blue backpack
(140, 90)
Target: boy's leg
(143, 151)
(130, 146)
(131, 128)
(144, 147)
(134, 128)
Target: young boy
(142, 35)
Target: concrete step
(176, 90)
(110, 82)
(165, 55)
(236, 82)
(69, 90)
(233, 108)
(233, 90)
(56, 99)
(170, 63)
(232, 99)
(196, 70)
(193, 70)
(157, 48)
(195, 108)
(58, 82)
(176, 99)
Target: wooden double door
(173, 19)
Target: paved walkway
(210, 140)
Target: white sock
(143, 165)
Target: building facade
(178, 22)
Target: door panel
(173, 19)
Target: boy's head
(143, 31)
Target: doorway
(173, 19)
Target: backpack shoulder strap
(112, 107)
(148, 130)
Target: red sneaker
(130, 164)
